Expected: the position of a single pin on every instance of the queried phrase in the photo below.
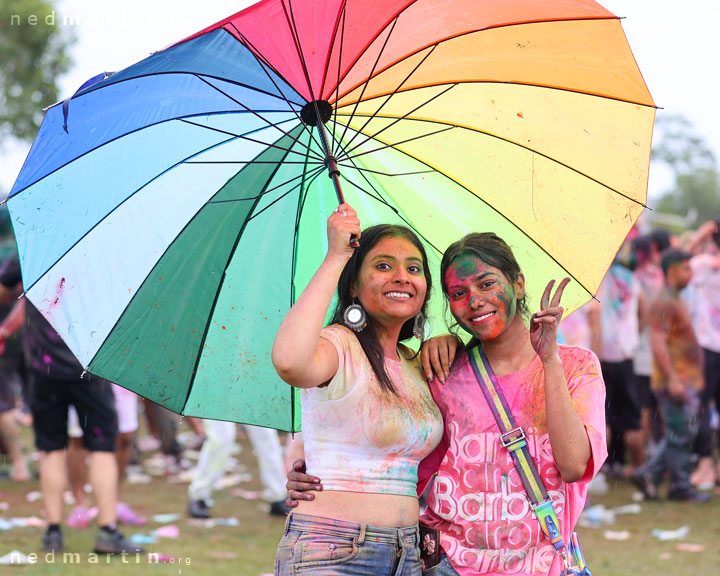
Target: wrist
(552, 361)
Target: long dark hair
(492, 250)
(368, 337)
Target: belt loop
(361, 538)
(287, 523)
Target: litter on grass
(616, 535)
(665, 535)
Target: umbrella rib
(374, 150)
(101, 220)
(244, 106)
(340, 16)
(296, 39)
(244, 137)
(317, 168)
(386, 173)
(378, 197)
(145, 127)
(316, 173)
(218, 291)
(340, 53)
(474, 196)
(370, 43)
(263, 65)
(550, 158)
(370, 76)
(450, 38)
(298, 215)
(375, 114)
(389, 96)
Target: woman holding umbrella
(555, 394)
(368, 415)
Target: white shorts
(125, 405)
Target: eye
(415, 269)
(383, 266)
(456, 294)
(487, 283)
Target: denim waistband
(407, 536)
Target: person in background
(12, 371)
(127, 410)
(215, 455)
(618, 339)
(677, 379)
(57, 381)
(650, 280)
(705, 309)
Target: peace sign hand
(544, 324)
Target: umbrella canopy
(167, 215)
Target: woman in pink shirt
(556, 394)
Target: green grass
(249, 548)
(644, 555)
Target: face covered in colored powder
(482, 299)
(391, 285)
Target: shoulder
(578, 361)
(340, 336)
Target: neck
(389, 336)
(512, 350)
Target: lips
(482, 318)
(401, 295)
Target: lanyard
(512, 437)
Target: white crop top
(359, 438)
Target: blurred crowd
(656, 328)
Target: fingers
(295, 496)
(425, 359)
(436, 363)
(299, 465)
(545, 300)
(559, 292)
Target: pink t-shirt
(618, 295)
(706, 304)
(477, 499)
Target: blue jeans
(442, 568)
(314, 545)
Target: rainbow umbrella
(167, 215)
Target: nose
(476, 300)
(401, 275)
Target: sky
(673, 43)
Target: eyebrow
(391, 257)
(474, 278)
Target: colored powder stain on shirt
(362, 438)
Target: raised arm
(300, 356)
(568, 437)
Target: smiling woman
(367, 414)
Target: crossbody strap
(513, 439)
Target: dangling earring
(419, 326)
(354, 317)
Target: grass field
(249, 548)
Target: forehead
(396, 246)
(468, 266)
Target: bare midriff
(388, 510)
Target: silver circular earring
(354, 317)
(419, 326)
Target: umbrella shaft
(330, 161)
